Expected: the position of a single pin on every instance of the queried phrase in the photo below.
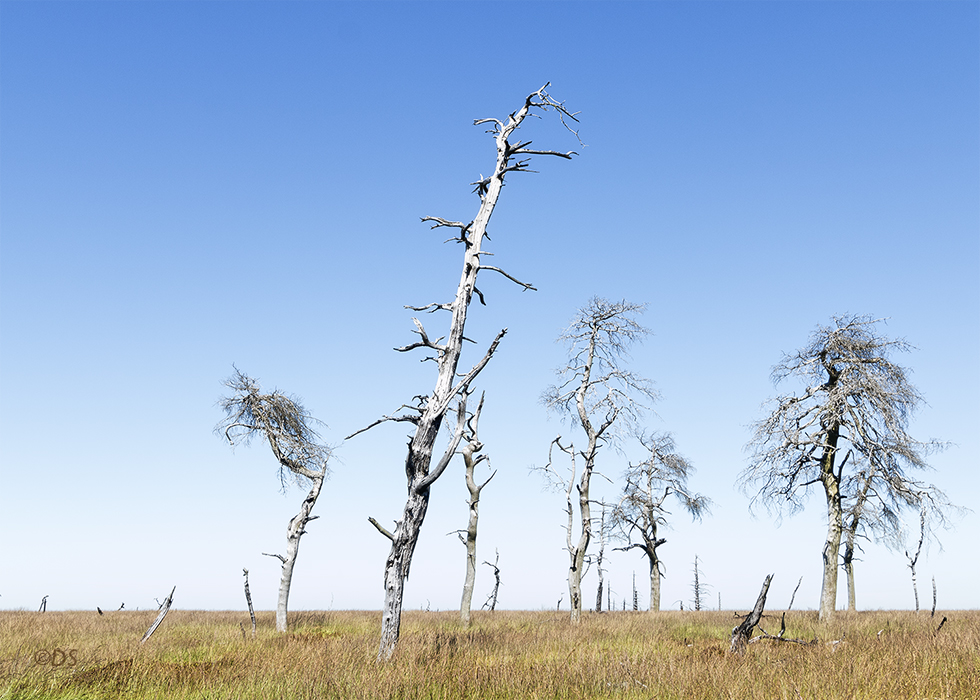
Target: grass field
(683, 655)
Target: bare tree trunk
(913, 560)
(248, 599)
(741, 634)
(855, 514)
(793, 597)
(654, 582)
(835, 516)
(849, 573)
(472, 447)
(599, 557)
(577, 567)
(296, 530)
(492, 600)
(164, 609)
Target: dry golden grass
(502, 655)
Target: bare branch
(512, 279)
(381, 529)
(385, 419)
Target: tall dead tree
(641, 511)
(429, 411)
(604, 399)
(853, 409)
(285, 424)
(471, 459)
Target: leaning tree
(285, 424)
(428, 411)
(642, 511)
(604, 399)
(849, 418)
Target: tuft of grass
(503, 655)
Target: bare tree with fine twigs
(604, 399)
(642, 512)
(285, 424)
(846, 430)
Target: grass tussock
(683, 655)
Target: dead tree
(164, 609)
(470, 458)
(698, 587)
(641, 510)
(854, 409)
(492, 598)
(248, 599)
(428, 412)
(603, 398)
(603, 525)
(793, 597)
(741, 634)
(914, 559)
(284, 423)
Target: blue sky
(184, 186)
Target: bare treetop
(594, 379)
(280, 419)
(846, 431)
(852, 387)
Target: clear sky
(188, 186)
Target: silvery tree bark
(288, 428)
(428, 413)
(854, 408)
(294, 531)
(471, 459)
(601, 397)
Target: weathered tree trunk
(855, 514)
(913, 560)
(248, 599)
(473, 446)
(578, 553)
(492, 599)
(599, 557)
(164, 609)
(835, 515)
(849, 571)
(296, 530)
(654, 582)
(741, 634)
